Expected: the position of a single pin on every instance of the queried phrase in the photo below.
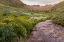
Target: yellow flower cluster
(2, 22)
(17, 25)
(10, 19)
(5, 19)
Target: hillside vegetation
(58, 10)
(14, 3)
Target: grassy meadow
(18, 23)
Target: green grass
(58, 13)
(59, 19)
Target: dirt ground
(47, 32)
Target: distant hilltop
(38, 7)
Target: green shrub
(21, 31)
(27, 24)
(19, 28)
(7, 33)
(59, 19)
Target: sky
(40, 2)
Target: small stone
(40, 39)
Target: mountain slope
(14, 3)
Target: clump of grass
(59, 19)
